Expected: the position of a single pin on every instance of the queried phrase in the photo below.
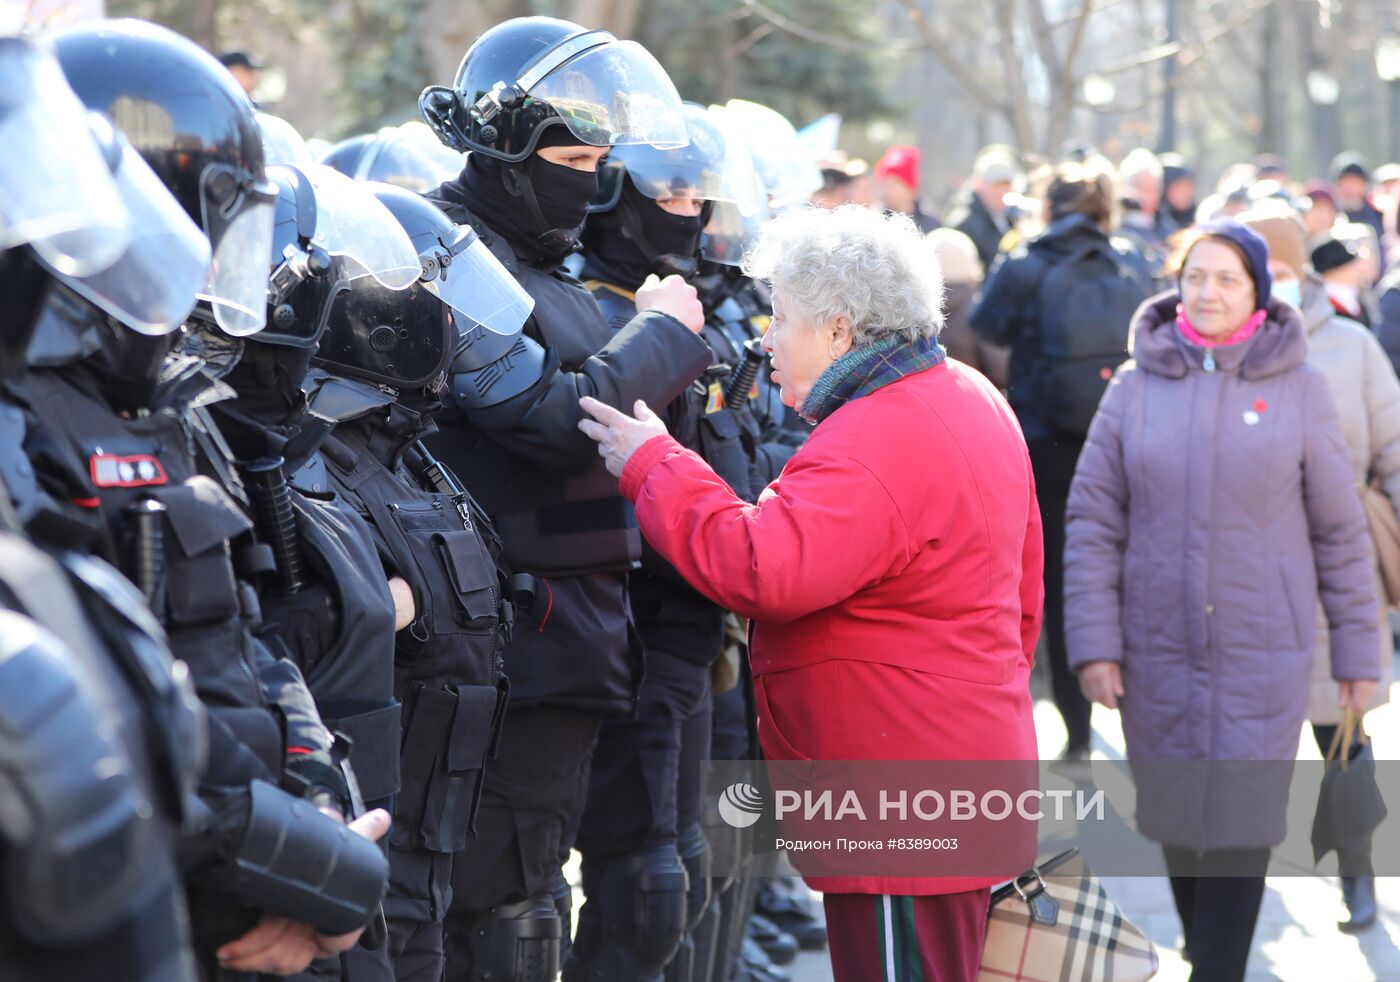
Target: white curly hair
(877, 270)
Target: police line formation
(300, 532)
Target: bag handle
(1349, 728)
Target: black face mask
(537, 206)
(561, 195)
(268, 380)
(639, 237)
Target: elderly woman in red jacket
(893, 570)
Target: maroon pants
(880, 938)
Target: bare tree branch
(943, 51)
(1045, 40)
(1075, 18)
(1179, 48)
(1015, 79)
(1086, 9)
(753, 37)
(784, 23)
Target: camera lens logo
(740, 805)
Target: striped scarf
(862, 370)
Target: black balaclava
(270, 402)
(539, 207)
(639, 237)
(23, 286)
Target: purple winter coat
(1208, 509)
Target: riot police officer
(117, 434)
(538, 102)
(644, 795)
(387, 354)
(325, 606)
(101, 738)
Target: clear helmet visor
(613, 95)
(714, 166)
(731, 230)
(236, 289)
(478, 288)
(56, 189)
(282, 144)
(409, 156)
(152, 286)
(354, 225)
(789, 173)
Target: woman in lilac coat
(1213, 501)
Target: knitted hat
(1174, 168)
(901, 162)
(1347, 164)
(1281, 229)
(1256, 252)
(1333, 253)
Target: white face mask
(1289, 291)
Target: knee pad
(516, 942)
(635, 915)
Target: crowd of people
(384, 522)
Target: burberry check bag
(1055, 923)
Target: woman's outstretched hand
(619, 436)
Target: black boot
(780, 947)
(1359, 892)
(792, 913)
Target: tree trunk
(1166, 139)
(1269, 140)
(204, 24)
(1312, 48)
(617, 16)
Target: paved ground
(1297, 939)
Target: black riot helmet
(328, 231)
(463, 298)
(345, 155)
(630, 232)
(92, 245)
(196, 129)
(408, 156)
(528, 73)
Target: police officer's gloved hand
(673, 296)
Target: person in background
(1387, 181)
(962, 280)
(1388, 314)
(980, 209)
(1367, 396)
(1338, 260)
(1322, 215)
(835, 190)
(1082, 203)
(246, 70)
(1351, 182)
(862, 190)
(836, 182)
(897, 174)
(1140, 178)
(1189, 605)
(1271, 167)
(1178, 190)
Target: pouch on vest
(449, 734)
(375, 730)
(200, 582)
